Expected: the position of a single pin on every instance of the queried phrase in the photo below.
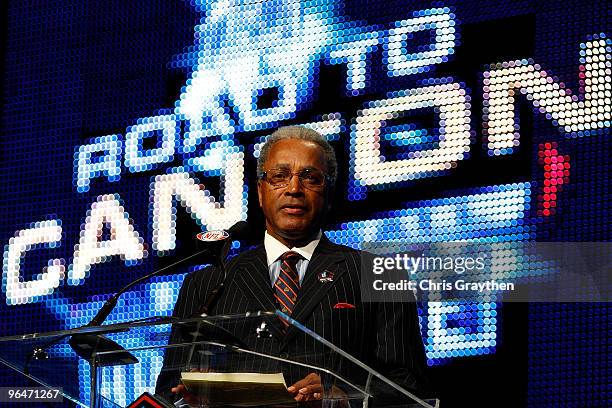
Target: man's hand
(310, 389)
(307, 389)
(189, 398)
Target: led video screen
(127, 127)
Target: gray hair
(301, 133)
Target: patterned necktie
(287, 285)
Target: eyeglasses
(311, 179)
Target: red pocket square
(344, 306)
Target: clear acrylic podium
(113, 374)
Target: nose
(295, 185)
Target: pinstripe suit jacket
(385, 336)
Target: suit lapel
(253, 278)
(325, 258)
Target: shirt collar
(274, 248)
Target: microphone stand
(217, 291)
(86, 344)
(197, 332)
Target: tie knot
(291, 257)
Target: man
(300, 272)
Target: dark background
(77, 70)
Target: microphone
(216, 245)
(219, 242)
(215, 249)
(239, 230)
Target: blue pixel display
(112, 131)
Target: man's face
(293, 213)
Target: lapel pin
(325, 276)
(263, 332)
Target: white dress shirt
(275, 249)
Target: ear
(259, 192)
